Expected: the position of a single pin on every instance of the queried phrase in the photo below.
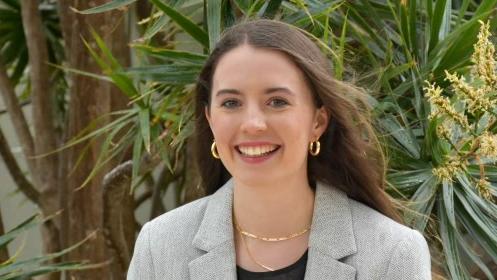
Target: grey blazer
(348, 240)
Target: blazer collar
(331, 238)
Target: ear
(207, 114)
(321, 120)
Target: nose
(254, 121)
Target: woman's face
(262, 116)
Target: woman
(294, 172)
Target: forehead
(250, 67)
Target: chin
(256, 178)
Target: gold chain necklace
(252, 257)
(270, 239)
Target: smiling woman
(263, 117)
(294, 173)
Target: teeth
(257, 150)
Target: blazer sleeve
(141, 266)
(410, 259)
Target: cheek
(294, 134)
(297, 127)
(223, 129)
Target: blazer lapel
(332, 236)
(215, 237)
(331, 239)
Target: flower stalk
(466, 114)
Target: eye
(278, 102)
(230, 103)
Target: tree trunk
(89, 99)
(45, 176)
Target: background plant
(12, 268)
(35, 35)
(396, 47)
(461, 137)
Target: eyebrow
(267, 91)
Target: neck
(275, 209)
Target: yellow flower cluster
(487, 145)
(483, 188)
(448, 171)
(483, 57)
(479, 94)
(443, 106)
(444, 131)
(478, 99)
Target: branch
(143, 9)
(118, 174)
(68, 23)
(40, 94)
(118, 223)
(22, 104)
(116, 197)
(22, 183)
(4, 252)
(149, 182)
(18, 120)
(123, 170)
(161, 186)
(142, 198)
(162, 183)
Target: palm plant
(23, 269)
(13, 49)
(395, 46)
(456, 186)
(425, 40)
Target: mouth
(257, 151)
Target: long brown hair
(350, 159)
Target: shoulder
(177, 229)
(389, 245)
(167, 240)
(178, 223)
(369, 222)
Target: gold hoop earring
(314, 148)
(214, 152)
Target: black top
(294, 271)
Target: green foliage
(392, 46)
(13, 49)
(450, 210)
(464, 134)
(23, 269)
